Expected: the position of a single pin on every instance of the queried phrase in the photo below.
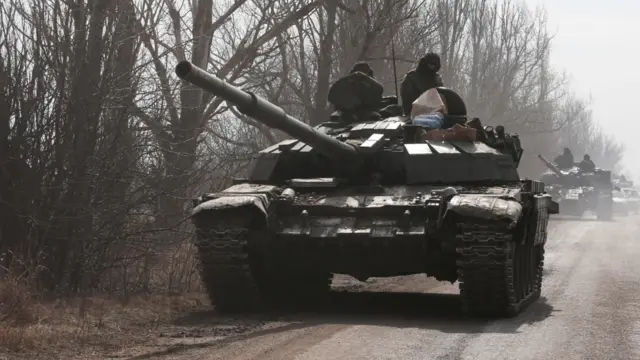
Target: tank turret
(265, 112)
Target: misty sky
(598, 44)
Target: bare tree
(70, 78)
(326, 45)
(582, 135)
(179, 117)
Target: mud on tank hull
(261, 246)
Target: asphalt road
(590, 309)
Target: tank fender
(229, 201)
(486, 207)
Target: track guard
(238, 196)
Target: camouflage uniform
(565, 160)
(356, 96)
(586, 164)
(359, 94)
(417, 81)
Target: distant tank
(627, 202)
(578, 191)
(370, 199)
(621, 181)
(626, 199)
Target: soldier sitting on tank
(565, 161)
(417, 81)
(357, 96)
(587, 164)
(389, 104)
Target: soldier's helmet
(362, 67)
(429, 63)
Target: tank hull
(261, 247)
(576, 201)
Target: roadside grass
(31, 327)
(34, 327)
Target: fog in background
(596, 43)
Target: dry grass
(168, 286)
(30, 328)
(169, 268)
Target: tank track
(491, 283)
(225, 269)
(497, 276)
(237, 280)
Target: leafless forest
(102, 148)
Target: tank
(579, 191)
(370, 198)
(625, 199)
(621, 181)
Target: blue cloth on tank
(433, 120)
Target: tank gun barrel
(264, 111)
(550, 165)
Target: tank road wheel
(497, 276)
